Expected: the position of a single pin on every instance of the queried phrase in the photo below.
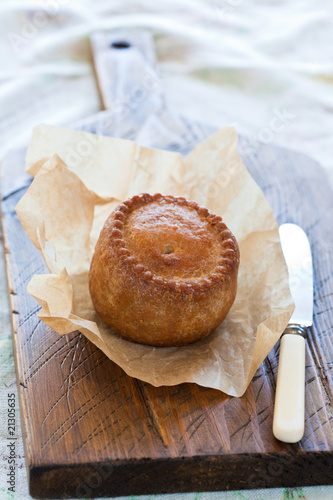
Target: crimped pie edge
(229, 248)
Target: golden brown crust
(164, 270)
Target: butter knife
(288, 421)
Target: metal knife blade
(288, 422)
(297, 253)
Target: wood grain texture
(90, 430)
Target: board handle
(288, 422)
(125, 69)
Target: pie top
(172, 242)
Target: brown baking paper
(80, 178)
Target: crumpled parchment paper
(79, 178)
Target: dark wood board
(90, 430)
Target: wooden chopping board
(90, 430)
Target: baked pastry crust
(164, 271)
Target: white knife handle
(288, 423)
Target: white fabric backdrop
(245, 62)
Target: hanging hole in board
(120, 44)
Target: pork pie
(164, 271)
